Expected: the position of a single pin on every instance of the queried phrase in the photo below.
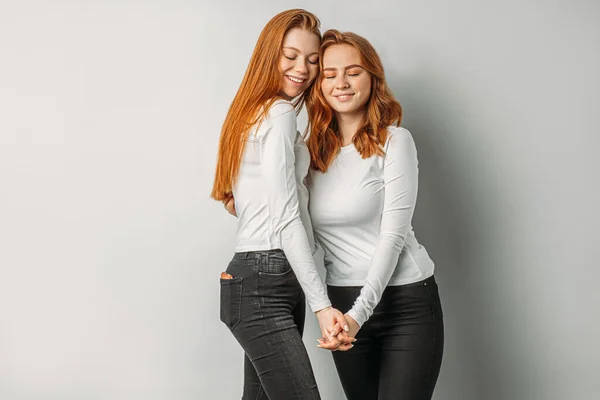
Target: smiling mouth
(344, 97)
(298, 81)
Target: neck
(348, 124)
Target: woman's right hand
(333, 328)
(229, 204)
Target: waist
(272, 262)
(244, 255)
(411, 267)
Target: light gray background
(110, 252)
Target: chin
(293, 94)
(346, 110)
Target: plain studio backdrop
(111, 249)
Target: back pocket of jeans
(231, 301)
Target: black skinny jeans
(398, 353)
(264, 308)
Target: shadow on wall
(455, 222)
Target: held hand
(352, 325)
(328, 318)
(334, 338)
(346, 339)
(343, 342)
(229, 205)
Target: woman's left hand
(344, 338)
(229, 205)
(353, 325)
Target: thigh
(411, 342)
(252, 386)
(358, 368)
(277, 353)
(269, 334)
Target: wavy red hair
(257, 92)
(383, 109)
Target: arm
(284, 214)
(400, 180)
(317, 245)
(278, 159)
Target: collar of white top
(347, 149)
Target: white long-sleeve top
(361, 212)
(271, 198)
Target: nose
(341, 82)
(301, 66)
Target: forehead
(303, 40)
(341, 55)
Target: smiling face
(345, 84)
(299, 62)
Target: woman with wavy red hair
(363, 189)
(263, 162)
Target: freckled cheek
(284, 65)
(366, 87)
(325, 89)
(367, 92)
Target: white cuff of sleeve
(358, 317)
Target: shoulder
(280, 121)
(281, 109)
(399, 144)
(398, 135)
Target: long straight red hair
(383, 109)
(257, 92)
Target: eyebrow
(348, 67)
(293, 48)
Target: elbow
(288, 223)
(393, 240)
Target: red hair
(383, 109)
(257, 92)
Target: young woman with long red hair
(363, 189)
(263, 162)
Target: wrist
(323, 309)
(352, 317)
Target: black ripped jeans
(264, 307)
(398, 353)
